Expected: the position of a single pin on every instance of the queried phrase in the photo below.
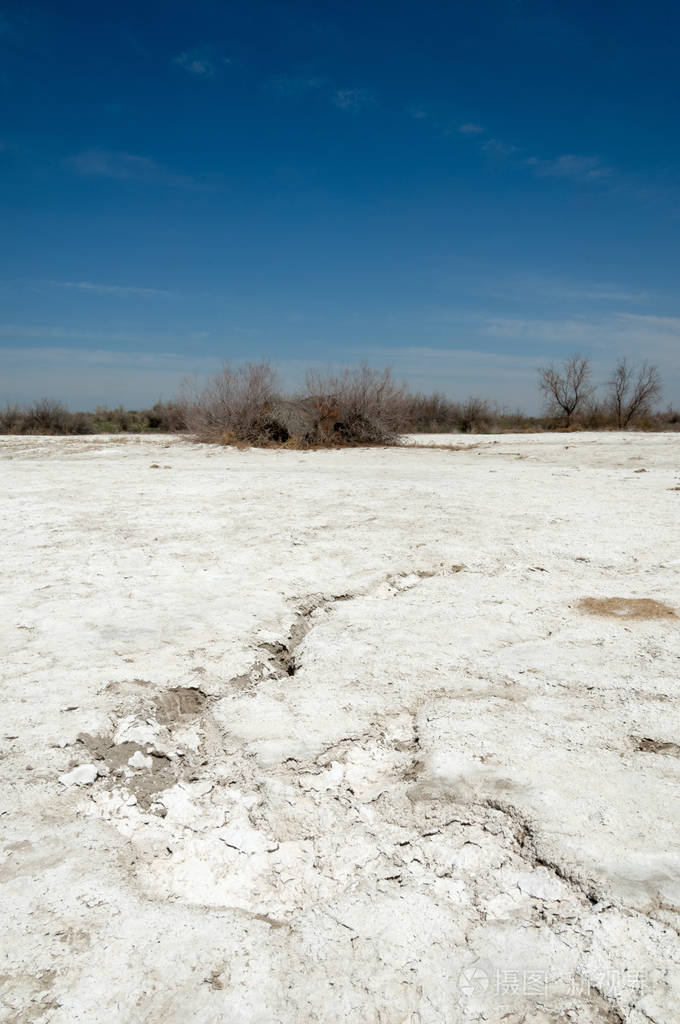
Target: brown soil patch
(178, 703)
(627, 607)
(145, 784)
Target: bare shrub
(565, 393)
(81, 423)
(515, 421)
(237, 404)
(12, 419)
(165, 417)
(429, 414)
(668, 419)
(363, 406)
(631, 392)
(44, 417)
(48, 417)
(595, 415)
(475, 415)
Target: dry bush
(48, 417)
(596, 415)
(436, 414)
(11, 419)
(476, 415)
(165, 417)
(236, 405)
(666, 419)
(516, 421)
(429, 414)
(44, 417)
(355, 407)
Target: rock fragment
(83, 775)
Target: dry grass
(447, 447)
(627, 607)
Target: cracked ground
(384, 735)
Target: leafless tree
(566, 391)
(631, 392)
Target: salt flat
(330, 736)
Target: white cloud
(575, 168)
(417, 113)
(495, 147)
(608, 336)
(112, 289)
(528, 288)
(668, 323)
(351, 99)
(111, 164)
(568, 166)
(201, 62)
(606, 293)
(122, 166)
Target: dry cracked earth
(365, 736)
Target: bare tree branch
(631, 395)
(565, 392)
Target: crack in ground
(527, 842)
(281, 661)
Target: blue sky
(463, 192)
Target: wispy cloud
(86, 377)
(122, 166)
(575, 168)
(571, 330)
(99, 356)
(606, 293)
(417, 113)
(530, 289)
(59, 333)
(495, 147)
(352, 99)
(295, 85)
(201, 62)
(113, 289)
(567, 166)
(611, 334)
(663, 324)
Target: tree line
(248, 404)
